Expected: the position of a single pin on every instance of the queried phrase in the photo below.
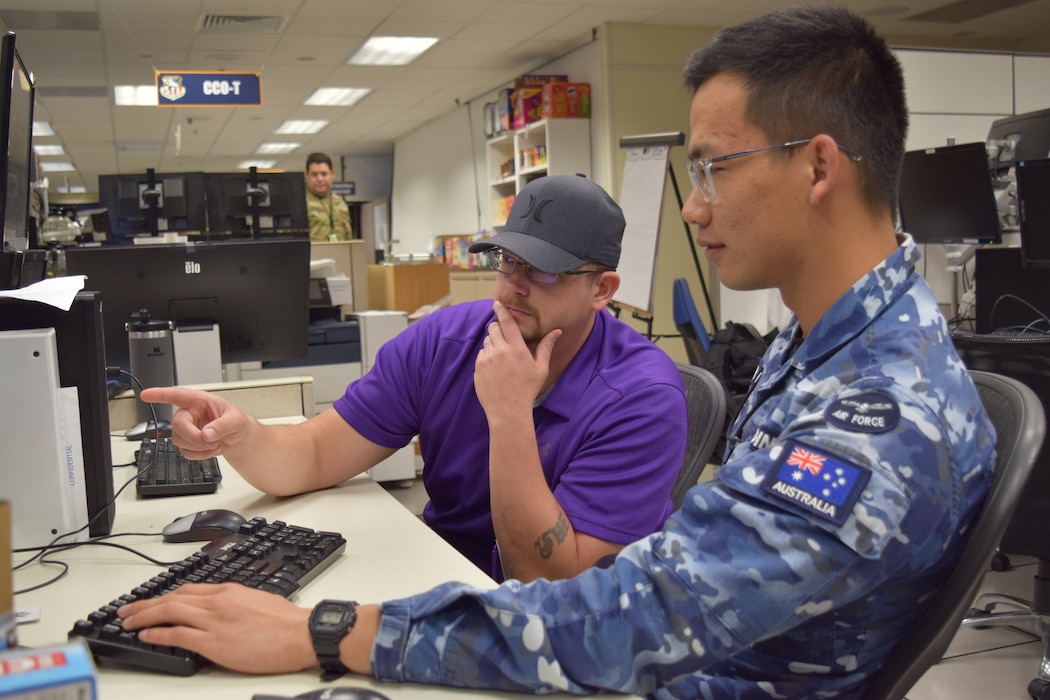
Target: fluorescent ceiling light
(135, 95)
(277, 148)
(336, 97)
(42, 129)
(74, 189)
(57, 167)
(257, 164)
(49, 150)
(301, 126)
(391, 50)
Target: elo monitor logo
(193, 268)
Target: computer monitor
(16, 170)
(149, 204)
(257, 291)
(253, 204)
(1033, 206)
(946, 196)
(81, 363)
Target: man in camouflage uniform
(860, 457)
(328, 214)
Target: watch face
(330, 615)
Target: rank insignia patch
(818, 482)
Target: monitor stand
(958, 254)
(198, 353)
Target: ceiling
(79, 50)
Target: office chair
(1019, 420)
(687, 319)
(1026, 358)
(705, 400)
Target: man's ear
(825, 160)
(604, 289)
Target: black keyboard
(165, 471)
(274, 557)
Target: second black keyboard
(275, 557)
(165, 471)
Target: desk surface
(389, 554)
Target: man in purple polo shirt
(551, 432)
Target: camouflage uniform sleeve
(342, 220)
(731, 568)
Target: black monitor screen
(257, 291)
(279, 199)
(16, 133)
(173, 202)
(946, 195)
(1033, 196)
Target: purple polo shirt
(611, 433)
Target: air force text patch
(870, 412)
(817, 482)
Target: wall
(434, 182)
(440, 170)
(643, 66)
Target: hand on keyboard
(272, 557)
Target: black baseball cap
(560, 222)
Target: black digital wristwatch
(330, 621)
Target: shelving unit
(565, 143)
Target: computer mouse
(343, 692)
(203, 526)
(148, 429)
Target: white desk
(389, 554)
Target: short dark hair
(314, 158)
(818, 70)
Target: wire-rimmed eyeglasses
(501, 262)
(700, 168)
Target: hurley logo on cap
(536, 209)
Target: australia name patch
(817, 482)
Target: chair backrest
(687, 319)
(705, 399)
(1017, 414)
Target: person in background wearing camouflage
(859, 458)
(328, 214)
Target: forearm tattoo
(555, 535)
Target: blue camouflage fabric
(764, 584)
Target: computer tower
(81, 363)
(41, 473)
(1012, 297)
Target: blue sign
(206, 89)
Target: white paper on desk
(54, 291)
(75, 495)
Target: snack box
(528, 104)
(49, 673)
(566, 101)
(538, 80)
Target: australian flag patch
(817, 482)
